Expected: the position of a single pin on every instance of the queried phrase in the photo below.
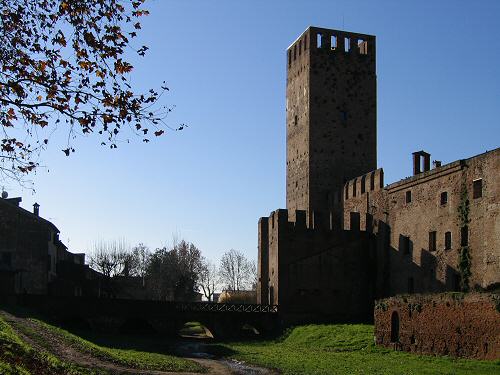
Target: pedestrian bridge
(114, 315)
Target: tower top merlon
(311, 30)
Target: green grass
(347, 349)
(17, 357)
(192, 328)
(128, 357)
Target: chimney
(417, 162)
(36, 209)
(437, 163)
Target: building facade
(345, 238)
(33, 260)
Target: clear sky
(438, 68)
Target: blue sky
(438, 68)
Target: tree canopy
(64, 63)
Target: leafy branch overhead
(63, 61)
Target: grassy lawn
(127, 356)
(17, 357)
(192, 329)
(347, 349)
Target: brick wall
(455, 324)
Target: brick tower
(331, 117)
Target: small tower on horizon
(331, 117)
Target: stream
(197, 350)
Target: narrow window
(444, 198)
(477, 188)
(319, 38)
(347, 44)
(408, 196)
(347, 191)
(432, 241)
(464, 236)
(404, 244)
(354, 188)
(296, 120)
(294, 52)
(300, 47)
(395, 327)
(289, 58)
(456, 283)
(363, 182)
(372, 181)
(333, 42)
(447, 241)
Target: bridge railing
(225, 307)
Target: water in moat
(199, 350)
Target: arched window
(395, 327)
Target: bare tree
(208, 278)
(235, 271)
(110, 258)
(253, 275)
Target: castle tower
(331, 117)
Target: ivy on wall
(465, 259)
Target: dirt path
(68, 352)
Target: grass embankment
(17, 357)
(347, 349)
(127, 357)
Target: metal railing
(225, 307)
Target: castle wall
(315, 269)
(460, 325)
(410, 210)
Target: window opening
(408, 196)
(289, 58)
(300, 47)
(395, 327)
(333, 42)
(319, 40)
(447, 241)
(404, 244)
(363, 182)
(477, 188)
(432, 241)
(444, 198)
(347, 44)
(464, 236)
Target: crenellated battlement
(321, 221)
(335, 41)
(372, 181)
